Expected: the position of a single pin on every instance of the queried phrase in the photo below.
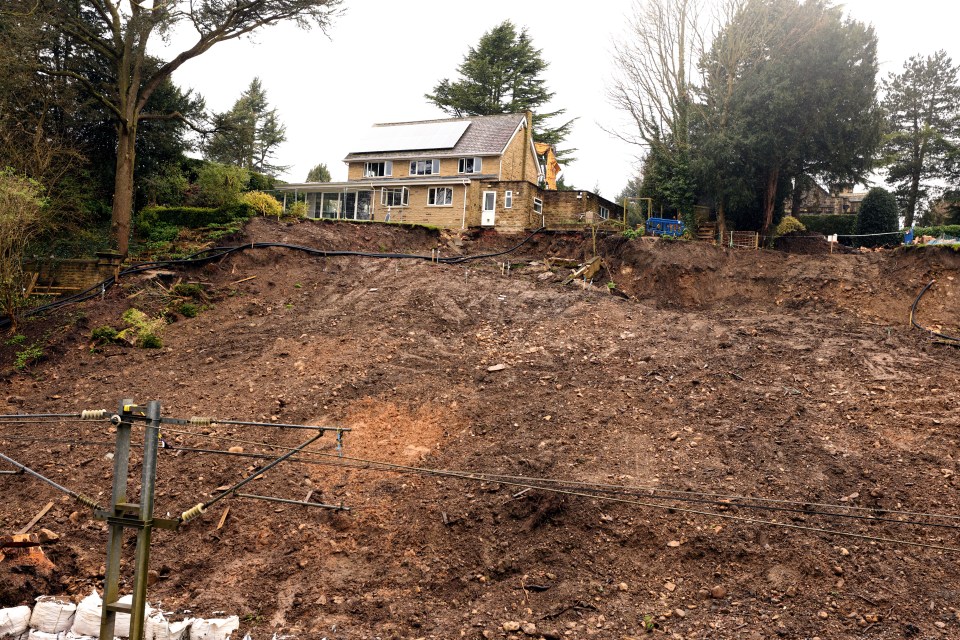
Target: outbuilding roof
(484, 136)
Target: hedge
(162, 224)
(951, 230)
(193, 217)
(830, 224)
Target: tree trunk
(722, 222)
(123, 186)
(769, 200)
(912, 196)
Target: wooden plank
(36, 518)
(31, 284)
(223, 518)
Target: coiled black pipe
(212, 254)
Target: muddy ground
(793, 378)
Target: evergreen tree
(114, 39)
(248, 135)
(877, 214)
(319, 173)
(502, 75)
(923, 108)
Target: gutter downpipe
(463, 222)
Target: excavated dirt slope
(762, 374)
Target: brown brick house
(481, 171)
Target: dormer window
(469, 165)
(378, 169)
(424, 167)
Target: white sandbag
(214, 628)
(86, 622)
(159, 628)
(121, 627)
(51, 615)
(73, 636)
(40, 635)
(14, 621)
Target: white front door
(488, 215)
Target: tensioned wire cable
(671, 508)
(680, 495)
(493, 477)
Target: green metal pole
(111, 578)
(147, 488)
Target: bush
(878, 214)
(28, 356)
(843, 225)
(162, 224)
(143, 330)
(951, 230)
(188, 309)
(104, 334)
(297, 210)
(220, 184)
(789, 224)
(190, 290)
(263, 203)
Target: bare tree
(112, 36)
(652, 85)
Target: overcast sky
(381, 56)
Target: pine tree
(319, 173)
(923, 107)
(248, 135)
(502, 75)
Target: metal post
(111, 579)
(147, 487)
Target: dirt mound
(725, 373)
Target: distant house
(482, 171)
(817, 200)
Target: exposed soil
(793, 377)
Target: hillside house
(817, 200)
(481, 171)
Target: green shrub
(143, 331)
(190, 290)
(15, 340)
(843, 225)
(220, 184)
(630, 234)
(104, 334)
(878, 214)
(150, 341)
(297, 210)
(162, 224)
(789, 224)
(263, 203)
(28, 356)
(951, 230)
(188, 309)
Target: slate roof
(486, 136)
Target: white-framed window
(394, 196)
(469, 165)
(508, 200)
(538, 206)
(439, 196)
(424, 167)
(604, 212)
(378, 169)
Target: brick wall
(77, 274)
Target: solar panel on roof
(411, 137)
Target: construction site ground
(706, 370)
